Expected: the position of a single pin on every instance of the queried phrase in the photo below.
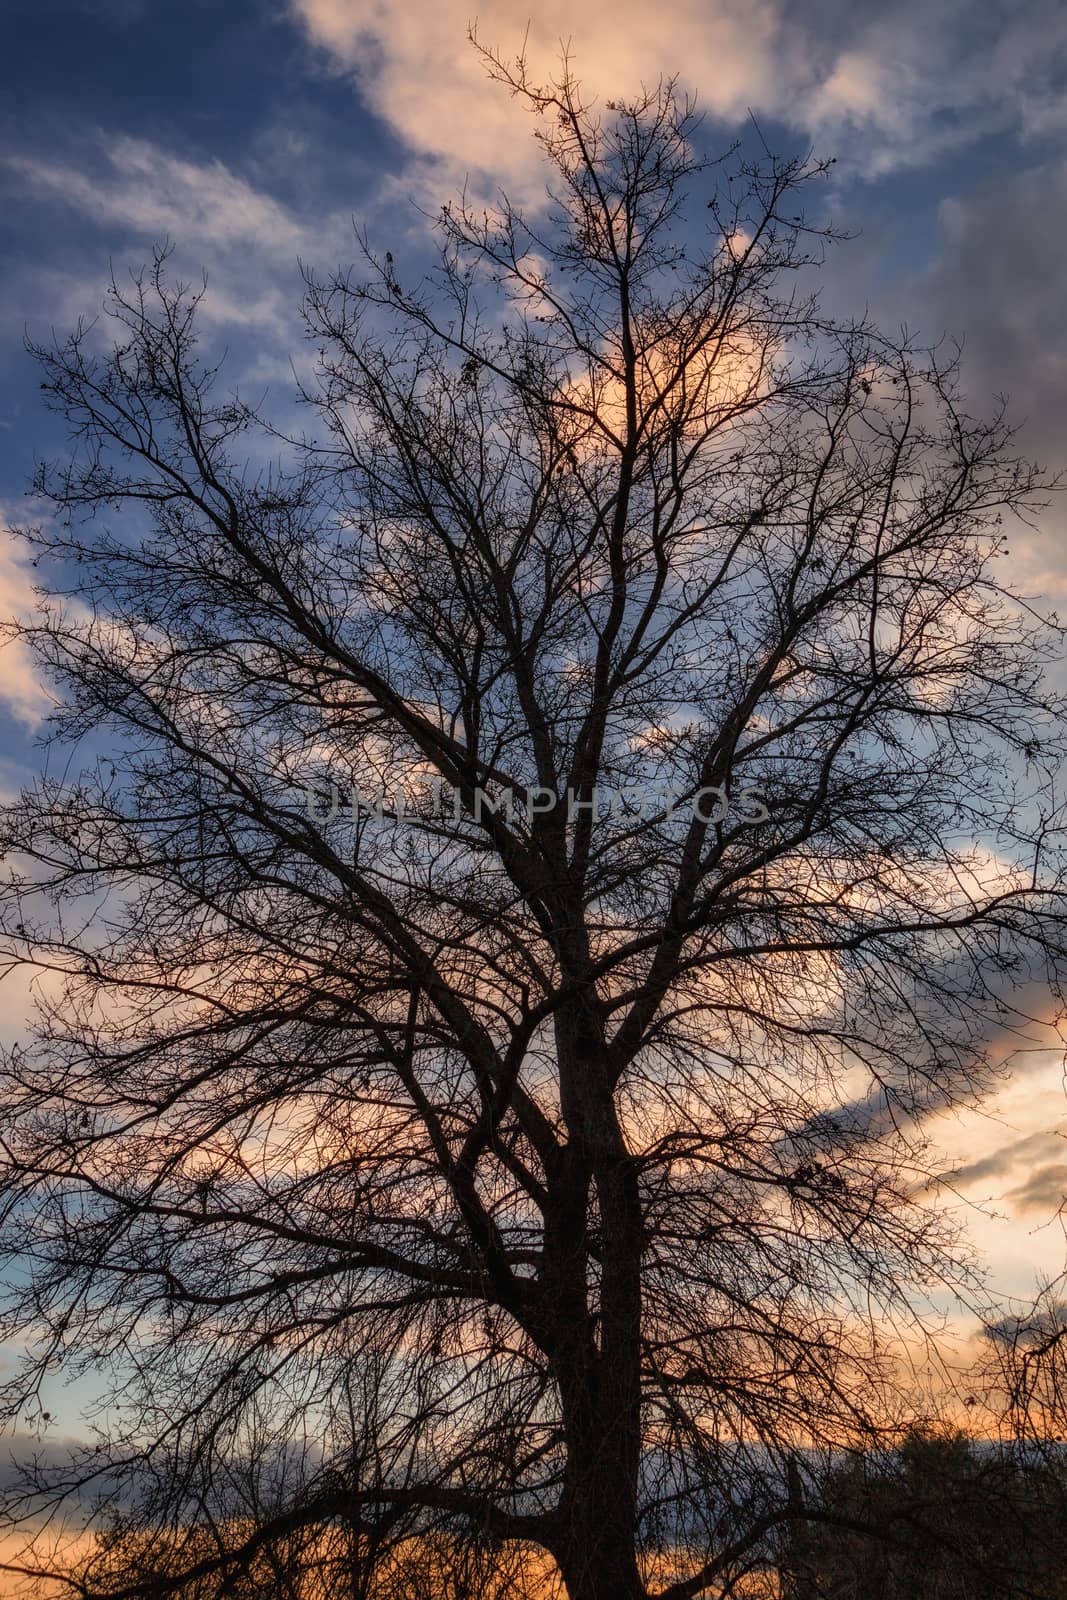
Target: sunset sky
(251, 134)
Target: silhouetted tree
(538, 1148)
(1027, 1371)
(942, 1518)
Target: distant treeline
(941, 1517)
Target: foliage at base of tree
(944, 1517)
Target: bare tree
(541, 1138)
(1026, 1372)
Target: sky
(251, 134)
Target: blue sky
(251, 133)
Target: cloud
(998, 282)
(1045, 1190)
(1049, 1148)
(149, 191)
(249, 242)
(21, 691)
(1045, 1321)
(1029, 1173)
(909, 82)
(416, 69)
(998, 277)
(883, 88)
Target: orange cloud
(21, 691)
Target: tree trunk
(598, 1353)
(605, 1570)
